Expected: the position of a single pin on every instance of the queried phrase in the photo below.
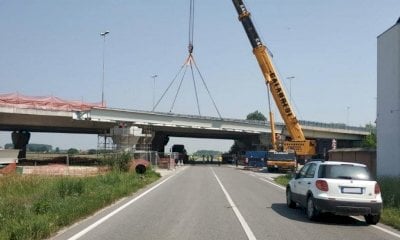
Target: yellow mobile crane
(298, 143)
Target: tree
(256, 115)
(72, 151)
(370, 140)
(92, 151)
(34, 147)
(9, 146)
(206, 152)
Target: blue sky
(52, 47)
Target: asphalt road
(211, 202)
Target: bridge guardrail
(266, 123)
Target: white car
(340, 188)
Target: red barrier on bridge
(44, 103)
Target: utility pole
(103, 34)
(154, 89)
(290, 87)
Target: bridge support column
(145, 141)
(20, 139)
(159, 142)
(127, 137)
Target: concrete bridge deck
(100, 120)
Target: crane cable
(177, 92)
(169, 86)
(208, 91)
(190, 49)
(189, 62)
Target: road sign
(333, 143)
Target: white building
(388, 102)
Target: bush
(70, 187)
(118, 162)
(390, 191)
(391, 200)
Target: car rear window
(344, 171)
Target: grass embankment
(34, 207)
(390, 194)
(283, 180)
(391, 201)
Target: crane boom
(299, 142)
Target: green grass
(283, 179)
(35, 207)
(391, 201)
(390, 194)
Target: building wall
(388, 103)
(357, 155)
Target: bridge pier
(126, 137)
(20, 139)
(145, 141)
(133, 137)
(159, 142)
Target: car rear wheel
(372, 219)
(312, 213)
(289, 202)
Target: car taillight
(377, 188)
(322, 185)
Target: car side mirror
(296, 175)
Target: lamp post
(347, 115)
(154, 89)
(290, 87)
(103, 34)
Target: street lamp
(154, 89)
(103, 34)
(347, 116)
(290, 87)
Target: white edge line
(374, 226)
(246, 228)
(386, 231)
(276, 185)
(380, 228)
(103, 219)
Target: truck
(180, 153)
(298, 144)
(256, 158)
(281, 161)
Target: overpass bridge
(130, 127)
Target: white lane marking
(246, 228)
(276, 185)
(103, 219)
(380, 228)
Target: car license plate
(353, 190)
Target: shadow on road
(298, 214)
